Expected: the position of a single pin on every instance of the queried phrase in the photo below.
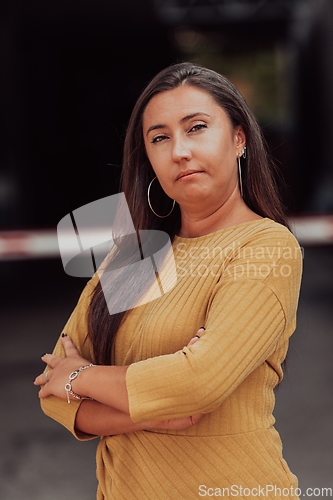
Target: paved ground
(42, 461)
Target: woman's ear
(240, 139)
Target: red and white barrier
(41, 244)
(313, 230)
(33, 244)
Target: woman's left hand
(54, 380)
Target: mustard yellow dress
(242, 284)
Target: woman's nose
(181, 150)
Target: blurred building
(71, 72)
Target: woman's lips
(188, 174)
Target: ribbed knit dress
(242, 284)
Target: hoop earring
(244, 152)
(240, 176)
(151, 208)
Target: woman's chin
(196, 196)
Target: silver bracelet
(68, 386)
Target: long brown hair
(259, 175)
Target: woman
(181, 422)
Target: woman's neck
(195, 223)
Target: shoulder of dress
(272, 230)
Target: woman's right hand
(195, 338)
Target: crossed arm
(107, 412)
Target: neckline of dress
(219, 231)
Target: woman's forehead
(180, 102)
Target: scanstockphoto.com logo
(142, 265)
(267, 491)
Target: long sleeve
(76, 328)
(250, 314)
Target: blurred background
(71, 72)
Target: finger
(195, 418)
(200, 331)
(41, 380)
(196, 336)
(44, 392)
(68, 345)
(51, 360)
(181, 423)
(173, 424)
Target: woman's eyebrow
(154, 127)
(187, 117)
(193, 115)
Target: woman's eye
(159, 138)
(197, 127)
